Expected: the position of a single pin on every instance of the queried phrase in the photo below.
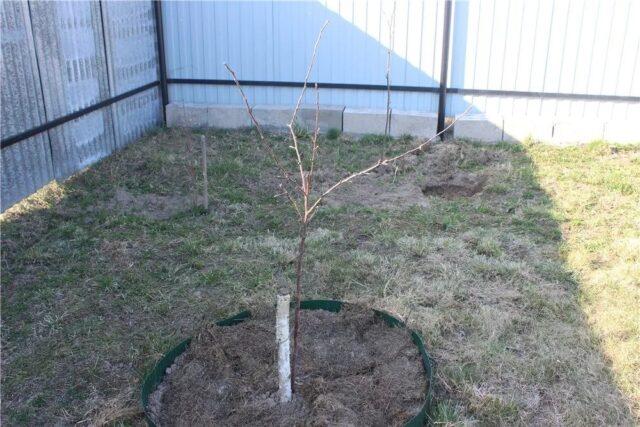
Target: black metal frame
(7, 142)
(442, 90)
(401, 88)
(444, 67)
(321, 85)
(164, 90)
(543, 95)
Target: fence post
(157, 6)
(44, 106)
(111, 86)
(444, 66)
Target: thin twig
(392, 21)
(292, 200)
(303, 180)
(314, 141)
(309, 68)
(246, 101)
(285, 174)
(270, 151)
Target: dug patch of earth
(441, 170)
(354, 370)
(435, 171)
(455, 184)
(373, 191)
(150, 206)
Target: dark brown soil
(442, 173)
(455, 184)
(354, 370)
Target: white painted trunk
(284, 351)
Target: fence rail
(9, 141)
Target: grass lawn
(527, 293)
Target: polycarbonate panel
(70, 48)
(137, 115)
(25, 166)
(132, 58)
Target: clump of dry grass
(121, 408)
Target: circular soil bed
(357, 367)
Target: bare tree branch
(314, 141)
(285, 174)
(309, 68)
(246, 101)
(303, 180)
(392, 22)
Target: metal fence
(541, 58)
(575, 58)
(79, 80)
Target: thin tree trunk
(387, 124)
(392, 25)
(296, 323)
(191, 170)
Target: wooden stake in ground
(191, 170)
(205, 182)
(283, 343)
